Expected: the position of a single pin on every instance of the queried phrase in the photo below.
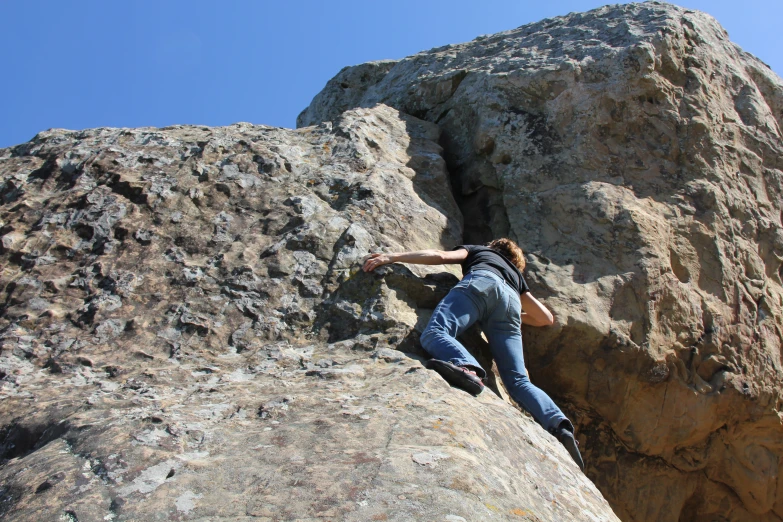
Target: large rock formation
(186, 334)
(635, 153)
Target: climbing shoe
(566, 438)
(458, 376)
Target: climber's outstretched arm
(534, 312)
(419, 257)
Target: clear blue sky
(85, 63)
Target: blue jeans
(485, 297)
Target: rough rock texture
(635, 153)
(186, 334)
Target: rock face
(635, 153)
(186, 334)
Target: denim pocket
(482, 285)
(514, 308)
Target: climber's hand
(373, 261)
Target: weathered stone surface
(186, 334)
(635, 154)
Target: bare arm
(419, 257)
(534, 312)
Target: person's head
(510, 250)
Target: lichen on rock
(186, 333)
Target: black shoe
(457, 376)
(566, 438)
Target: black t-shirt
(483, 258)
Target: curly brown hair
(510, 250)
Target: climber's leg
(454, 314)
(502, 329)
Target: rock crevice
(634, 152)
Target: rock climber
(493, 293)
